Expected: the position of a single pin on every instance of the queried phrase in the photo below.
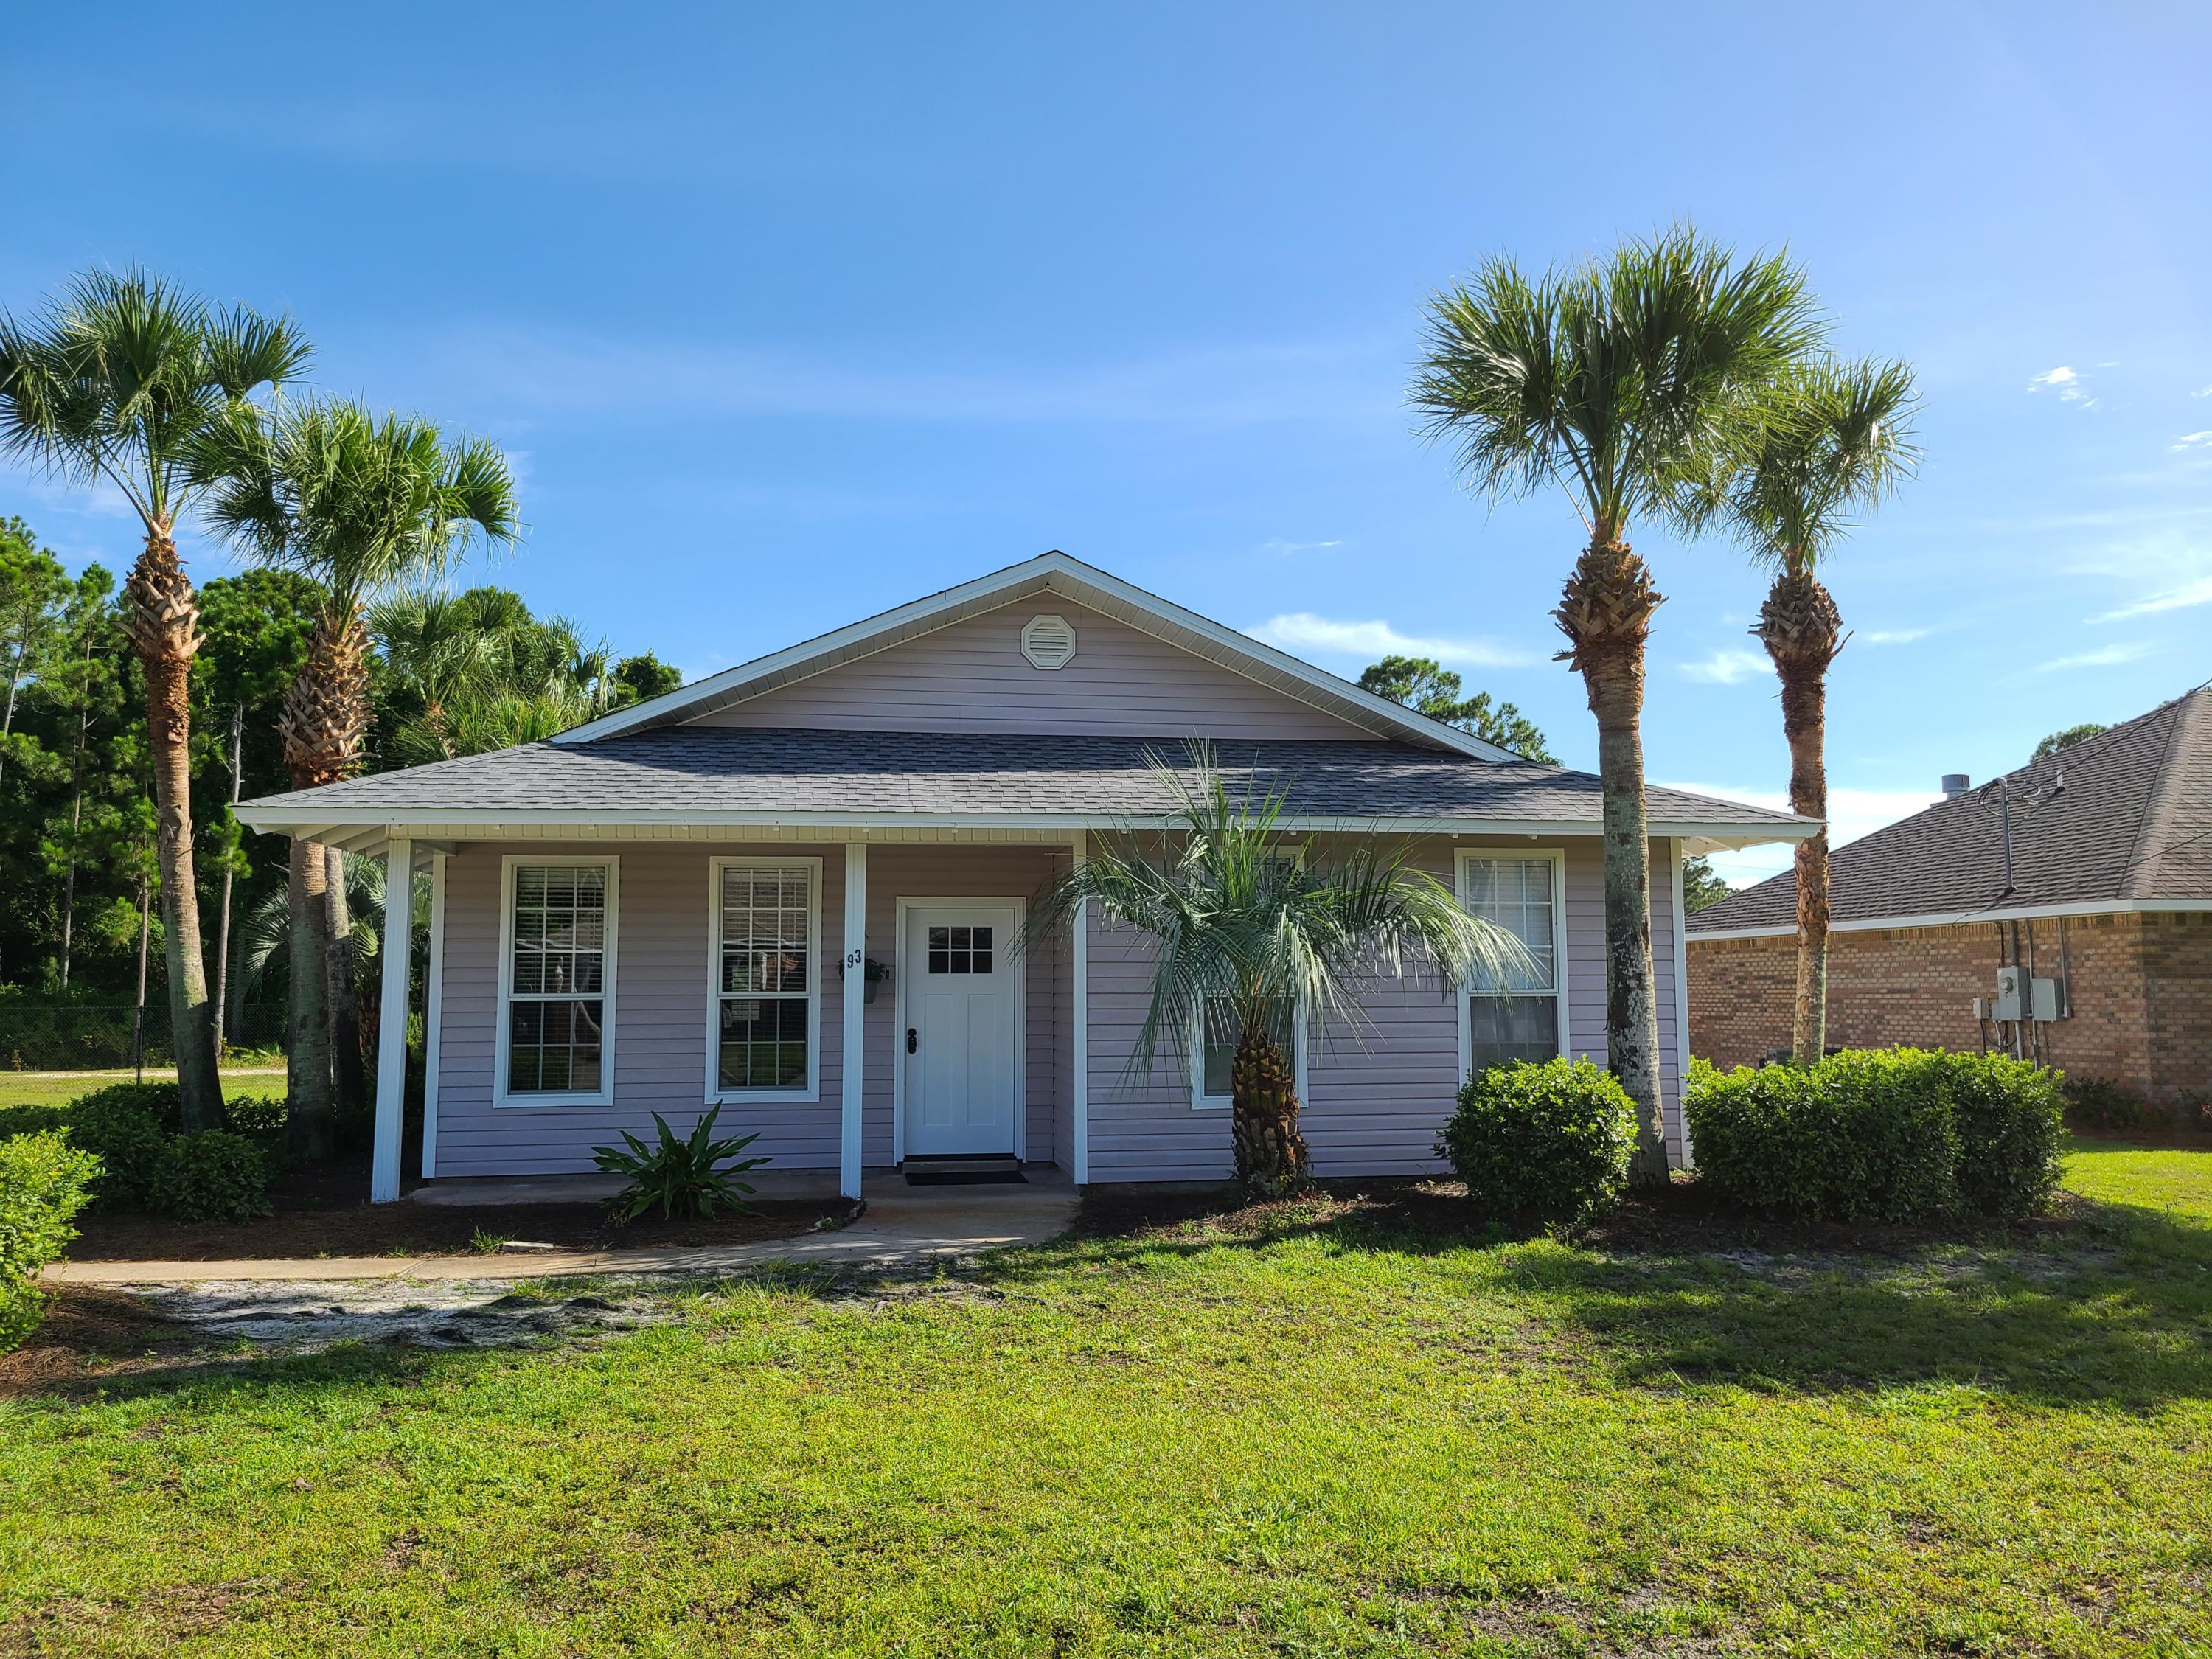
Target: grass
(1343, 1427)
(59, 1088)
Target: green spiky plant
(1833, 439)
(688, 1178)
(1249, 919)
(113, 383)
(1615, 381)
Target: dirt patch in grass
(431, 1229)
(1435, 1214)
(92, 1335)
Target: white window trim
(1202, 1102)
(1461, 995)
(716, 1095)
(605, 1094)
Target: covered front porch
(850, 996)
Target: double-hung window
(765, 1036)
(557, 981)
(1520, 1015)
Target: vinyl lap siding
(972, 677)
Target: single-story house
(2088, 946)
(792, 889)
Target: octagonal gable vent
(1049, 642)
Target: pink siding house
(793, 890)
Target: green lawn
(2179, 1183)
(59, 1088)
(1344, 1432)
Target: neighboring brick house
(2111, 897)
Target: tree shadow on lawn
(2098, 1304)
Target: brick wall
(2140, 993)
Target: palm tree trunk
(1270, 1154)
(161, 615)
(1605, 614)
(351, 1080)
(308, 1048)
(1803, 632)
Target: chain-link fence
(93, 1036)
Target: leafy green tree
(2065, 739)
(1426, 686)
(1255, 928)
(112, 385)
(1833, 440)
(474, 671)
(643, 678)
(34, 590)
(360, 505)
(1615, 381)
(1700, 885)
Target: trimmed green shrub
(120, 1130)
(44, 1182)
(1889, 1135)
(1546, 1143)
(31, 1120)
(259, 1115)
(214, 1176)
(2099, 1103)
(162, 1101)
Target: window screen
(556, 1003)
(1516, 1018)
(765, 987)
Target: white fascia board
(1057, 573)
(453, 822)
(1954, 917)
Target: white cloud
(1895, 635)
(2110, 656)
(1281, 546)
(1727, 667)
(2193, 440)
(2173, 598)
(2063, 380)
(1369, 640)
(1851, 813)
(2206, 393)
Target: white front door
(961, 1093)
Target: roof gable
(1054, 576)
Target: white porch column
(1079, 1158)
(392, 1036)
(1681, 1004)
(434, 1015)
(853, 1027)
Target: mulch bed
(323, 1213)
(91, 1336)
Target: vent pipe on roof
(1956, 783)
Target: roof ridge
(2170, 788)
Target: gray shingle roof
(2133, 824)
(710, 770)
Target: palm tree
(1251, 926)
(112, 384)
(1835, 438)
(1613, 379)
(360, 504)
(488, 673)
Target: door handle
(909, 1039)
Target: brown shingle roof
(2133, 824)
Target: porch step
(963, 1170)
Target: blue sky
(789, 315)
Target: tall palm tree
(1613, 379)
(360, 504)
(112, 384)
(1255, 928)
(488, 674)
(1835, 439)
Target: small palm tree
(1250, 922)
(113, 383)
(360, 504)
(1835, 438)
(1614, 380)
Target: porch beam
(853, 1028)
(392, 1036)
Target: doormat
(965, 1177)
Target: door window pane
(952, 950)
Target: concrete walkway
(903, 1225)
